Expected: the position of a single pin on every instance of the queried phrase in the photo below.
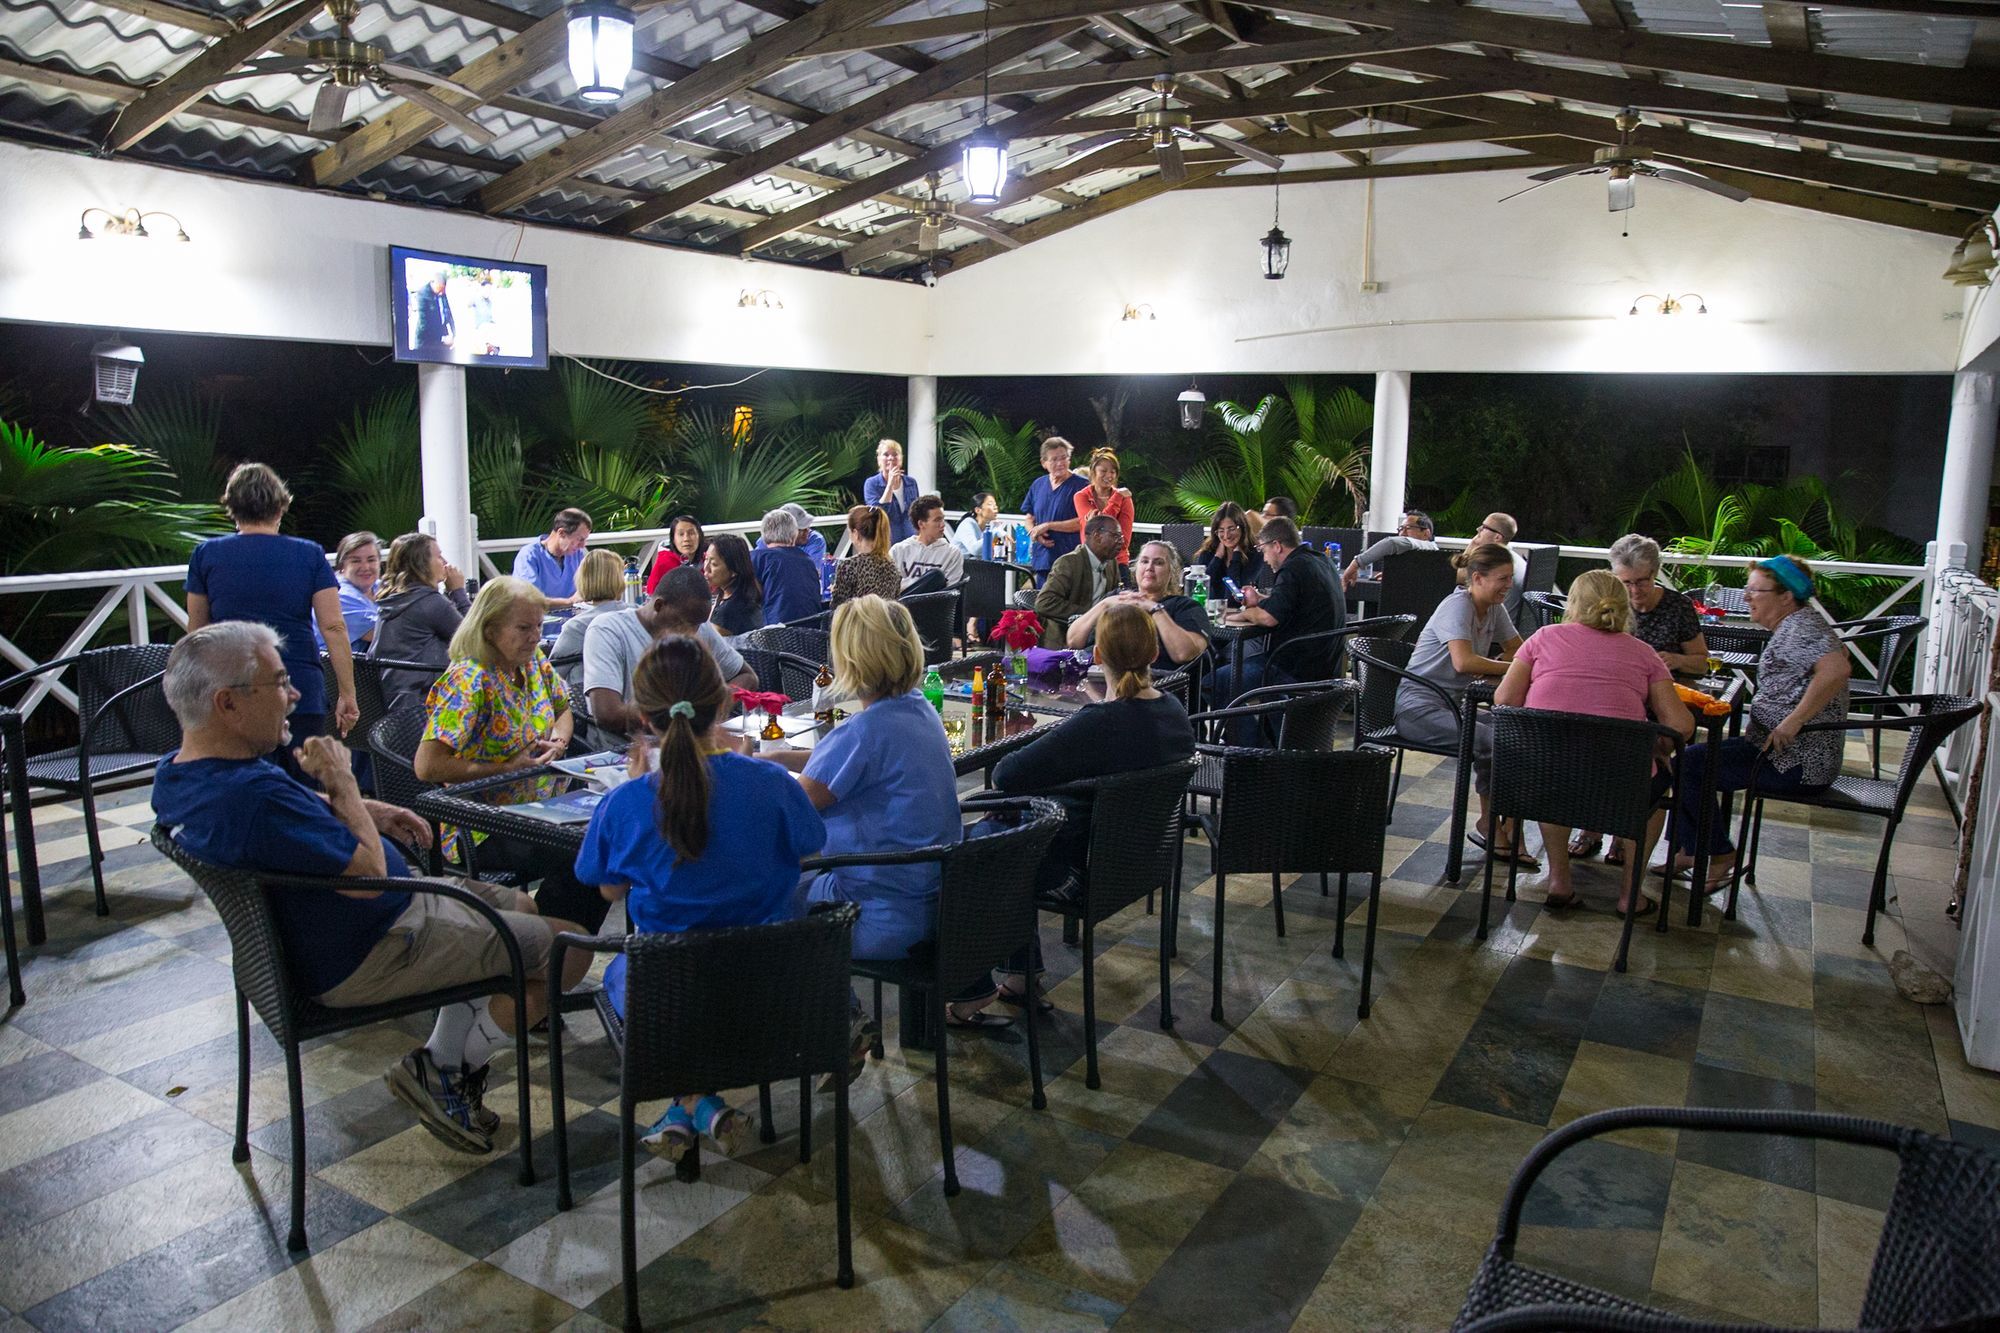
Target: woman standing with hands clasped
(710, 838)
(891, 490)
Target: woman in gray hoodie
(417, 621)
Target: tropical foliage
(374, 468)
(1304, 443)
(992, 455)
(107, 505)
(180, 426)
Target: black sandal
(981, 1021)
(1019, 1000)
(1564, 903)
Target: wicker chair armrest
(436, 888)
(1599, 1319)
(23, 677)
(1798, 1124)
(1452, 699)
(1895, 722)
(907, 857)
(392, 664)
(84, 744)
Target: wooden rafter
(189, 83)
(663, 110)
(1111, 201)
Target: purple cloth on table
(1047, 659)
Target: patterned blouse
(860, 575)
(484, 715)
(1784, 672)
(1669, 625)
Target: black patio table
(1235, 636)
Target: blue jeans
(1224, 686)
(1735, 760)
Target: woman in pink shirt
(1590, 663)
(1105, 496)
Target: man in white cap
(809, 541)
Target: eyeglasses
(1760, 592)
(282, 681)
(1484, 527)
(1642, 581)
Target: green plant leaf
(57, 512)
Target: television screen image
(461, 311)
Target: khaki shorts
(439, 942)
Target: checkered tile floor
(1290, 1167)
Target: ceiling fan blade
(1559, 173)
(1085, 147)
(411, 74)
(1173, 167)
(895, 220)
(259, 69)
(450, 115)
(329, 108)
(1700, 182)
(1550, 179)
(989, 231)
(252, 20)
(1241, 149)
(1623, 192)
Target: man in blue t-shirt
(228, 804)
(1051, 505)
(551, 562)
(788, 576)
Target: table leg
(1704, 818)
(1461, 793)
(13, 740)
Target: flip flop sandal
(981, 1021)
(1579, 847)
(1615, 855)
(1646, 908)
(1563, 904)
(1523, 859)
(1019, 1000)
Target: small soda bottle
(996, 694)
(772, 731)
(822, 690)
(934, 689)
(979, 693)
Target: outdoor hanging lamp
(1277, 245)
(600, 49)
(982, 158)
(1192, 404)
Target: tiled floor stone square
(1291, 1166)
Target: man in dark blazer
(432, 328)
(1085, 576)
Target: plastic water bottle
(1333, 554)
(827, 564)
(986, 542)
(934, 689)
(1022, 550)
(1197, 586)
(632, 584)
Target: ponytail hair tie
(682, 709)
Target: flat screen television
(460, 311)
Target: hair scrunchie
(681, 708)
(1786, 571)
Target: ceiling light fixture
(130, 222)
(982, 158)
(761, 299)
(1277, 245)
(1670, 304)
(1193, 402)
(1138, 313)
(600, 49)
(1972, 260)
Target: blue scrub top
(1053, 504)
(270, 579)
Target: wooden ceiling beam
(1111, 201)
(1341, 46)
(1007, 46)
(1894, 80)
(666, 108)
(192, 80)
(1382, 171)
(1937, 9)
(1002, 18)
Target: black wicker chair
(1729, 601)
(986, 911)
(1383, 665)
(373, 694)
(1892, 637)
(1414, 582)
(1297, 811)
(393, 744)
(10, 747)
(1929, 719)
(124, 728)
(1135, 831)
(263, 982)
(1543, 608)
(715, 1009)
(1583, 771)
(1348, 539)
(812, 644)
(1381, 627)
(1934, 1266)
(1185, 538)
(984, 591)
(938, 621)
(1737, 647)
(785, 673)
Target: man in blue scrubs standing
(1051, 506)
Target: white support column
(922, 447)
(1968, 464)
(1389, 458)
(447, 470)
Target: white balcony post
(922, 446)
(1968, 464)
(446, 468)
(1389, 458)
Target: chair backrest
(1348, 538)
(1296, 811)
(936, 616)
(393, 742)
(1184, 537)
(1729, 601)
(784, 673)
(1377, 710)
(140, 722)
(1934, 1264)
(1312, 715)
(257, 953)
(725, 1008)
(814, 645)
(1574, 769)
(1544, 608)
(1938, 715)
(1381, 627)
(1542, 562)
(985, 589)
(1414, 582)
(1135, 832)
(1885, 639)
(986, 898)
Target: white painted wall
(277, 262)
(1788, 290)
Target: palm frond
(593, 412)
(57, 510)
(982, 443)
(508, 498)
(182, 427)
(734, 482)
(375, 465)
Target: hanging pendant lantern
(1192, 404)
(600, 49)
(1277, 245)
(982, 158)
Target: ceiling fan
(1623, 163)
(345, 64)
(933, 215)
(1165, 127)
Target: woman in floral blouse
(501, 708)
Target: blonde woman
(600, 587)
(891, 490)
(1590, 663)
(500, 708)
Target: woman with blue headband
(1801, 678)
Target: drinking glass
(954, 733)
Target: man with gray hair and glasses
(227, 803)
(1414, 533)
